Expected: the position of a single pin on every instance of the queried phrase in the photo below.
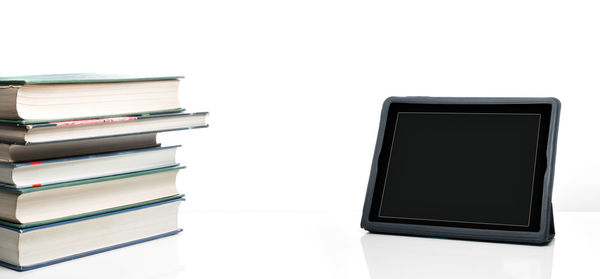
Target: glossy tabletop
(314, 244)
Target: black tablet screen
(477, 168)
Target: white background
(295, 87)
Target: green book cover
(79, 78)
(19, 191)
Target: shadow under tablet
(406, 257)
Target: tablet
(467, 168)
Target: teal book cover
(79, 78)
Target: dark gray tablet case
(543, 236)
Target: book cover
(76, 158)
(30, 125)
(79, 78)
(12, 189)
(100, 119)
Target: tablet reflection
(389, 256)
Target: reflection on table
(390, 256)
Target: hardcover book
(47, 172)
(81, 171)
(13, 153)
(47, 244)
(72, 96)
(46, 203)
(46, 132)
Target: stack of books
(81, 171)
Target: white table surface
(311, 244)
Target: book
(81, 171)
(42, 173)
(61, 200)
(14, 153)
(99, 127)
(73, 96)
(34, 247)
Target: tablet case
(541, 237)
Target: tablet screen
(470, 166)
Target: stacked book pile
(81, 171)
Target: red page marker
(36, 185)
(94, 121)
(36, 163)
